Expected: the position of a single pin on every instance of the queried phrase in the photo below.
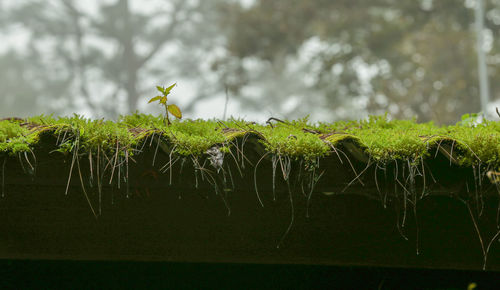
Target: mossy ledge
(398, 158)
(382, 140)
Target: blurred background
(254, 59)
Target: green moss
(385, 139)
(194, 137)
(14, 138)
(144, 121)
(289, 139)
(10, 130)
(378, 137)
(480, 143)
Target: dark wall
(179, 223)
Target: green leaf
(155, 99)
(160, 89)
(174, 110)
(167, 90)
(163, 100)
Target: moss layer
(378, 138)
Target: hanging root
(213, 182)
(236, 158)
(126, 174)
(314, 181)
(485, 250)
(91, 167)
(286, 166)
(210, 179)
(396, 194)
(481, 175)
(412, 169)
(240, 156)
(274, 163)
(115, 161)
(495, 237)
(417, 231)
(424, 180)
(298, 179)
(348, 160)
(255, 178)
(170, 163)
(83, 188)
(119, 172)
(3, 175)
(75, 152)
(358, 176)
(230, 176)
(311, 188)
(21, 162)
(478, 188)
(376, 183)
(451, 152)
(478, 232)
(386, 193)
(195, 172)
(216, 188)
(32, 168)
(156, 150)
(408, 193)
(292, 215)
(99, 178)
(497, 186)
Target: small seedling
(162, 100)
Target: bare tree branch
(164, 37)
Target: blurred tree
(331, 59)
(20, 81)
(100, 58)
(408, 57)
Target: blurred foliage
(422, 53)
(332, 59)
(85, 61)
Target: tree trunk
(129, 58)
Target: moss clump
(195, 137)
(478, 143)
(291, 140)
(14, 138)
(10, 130)
(379, 138)
(386, 140)
(92, 134)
